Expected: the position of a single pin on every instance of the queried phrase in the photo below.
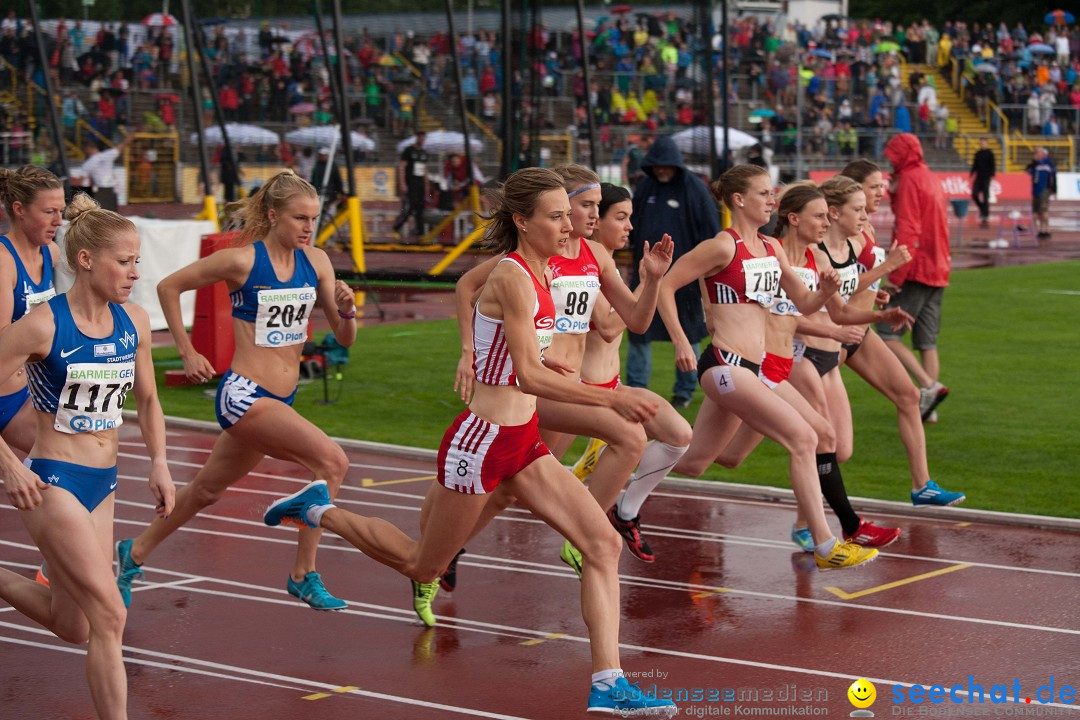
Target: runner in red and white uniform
(495, 442)
(579, 276)
(872, 360)
(803, 224)
(743, 272)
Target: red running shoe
(631, 532)
(870, 535)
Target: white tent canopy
(239, 134)
(317, 135)
(438, 141)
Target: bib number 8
(577, 303)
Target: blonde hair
(576, 176)
(518, 195)
(736, 180)
(23, 184)
(796, 197)
(91, 228)
(252, 213)
(838, 190)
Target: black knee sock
(832, 487)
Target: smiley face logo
(862, 693)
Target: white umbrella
(438, 141)
(160, 20)
(239, 134)
(696, 139)
(316, 135)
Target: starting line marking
(320, 696)
(537, 641)
(888, 586)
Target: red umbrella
(621, 10)
(160, 20)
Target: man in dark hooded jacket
(669, 199)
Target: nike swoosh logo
(66, 353)
(113, 486)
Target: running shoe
(930, 398)
(127, 570)
(934, 494)
(423, 595)
(571, 556)
(631, 533)
(624, 699)
(803, 538)
(312, 591)
(587, 462)
(293, 508)
(42, 575)
(870, 535)
(932, 418)
(448, 580)
(680, 402)
(845, 554)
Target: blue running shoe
(625, 699)
(934, 494)
(314, 593)
(127, 570)
(803, 538)
(293, 508)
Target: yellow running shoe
(572, 557)
(423, 595)
(587, 462)
(845, 554)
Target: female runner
(869, 357)
(275, 279)
(496, 441)
(84, 351)
(743, 271)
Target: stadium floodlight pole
(726, 83)
(707, 67)
(209, 202)
(352, 202)
(50, 99)
(219, 113)
(589, 122)
(337, 98)
(474, 196)
(798, 119)
(509, 137)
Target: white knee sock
(656, 462)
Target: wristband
(347, 316)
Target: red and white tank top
(491, 355)
(747, 279)
(575, 284)
(871, 256)
(783, 305)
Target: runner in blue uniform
(84, 352)
(254, 398)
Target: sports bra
(746, 279)
(279, 309)
(872, 255)
(492, 363)
(847, 270)
(809, 275)
(27, 292)
(575, 284)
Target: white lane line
(674, 533)
(221, 670)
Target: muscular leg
(909, 362)
(880, 368)
(839, 413)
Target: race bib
(93, 397)
(762, 279)
(37, 298)
(282, 318)
(849, 281)
(574, 297)
(783, 305)
(879, 257)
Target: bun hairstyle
(91, 228)
(576, 176)
(736, 180)
(859, 170)
(796, 197)
(518, 195)
(252, 213)
(611, 195)
(23, 184)
(838, 190)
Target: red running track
(728, 604)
